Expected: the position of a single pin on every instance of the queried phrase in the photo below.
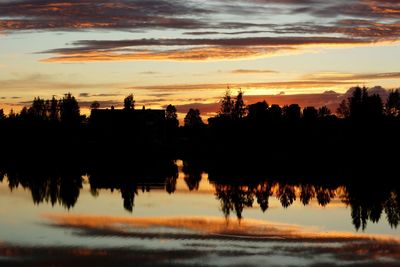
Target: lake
(192, 219)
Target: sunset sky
(186, 52)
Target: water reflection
(52, 185)
(129, 181)
(368, 202)
(203, 241)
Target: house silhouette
(144, 123)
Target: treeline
(360, 106)
(65, 110)
(360, 127)
(361, 130)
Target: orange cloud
(195, 54)
(323, 76)
(264, 85)
(246, 71)
(192, 49)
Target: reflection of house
(147, 123)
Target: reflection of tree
(128, 195)
(286, 194)
(70, 186)
(193, 172)
(264, 191)
(49, 185)
(392, 209)
(170, 184)
(170, 180)
(130, 181)
(367, 203)
(307, 192)
(61, 186)
(234, 198)
(324, 195)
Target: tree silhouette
(343, 110)
(258, 111)
(54, 109)
(239, 108)
(362, 106)
(171, 116)
(324, 112)
(129, 102)
(227, 104)
(356, 102)
(292, 112)
(374, 107)
(12, 115)
(69, 110)
(2, 115)
(193, 119)
(275, 112)
(94, 105)
(393, 103)
(38, 108)
(24, 114)
(310, 114)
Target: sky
(188, 52)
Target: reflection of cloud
(198, 241)
(214, 227)
(47, 256)
(251, 239)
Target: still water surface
(199, 223)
